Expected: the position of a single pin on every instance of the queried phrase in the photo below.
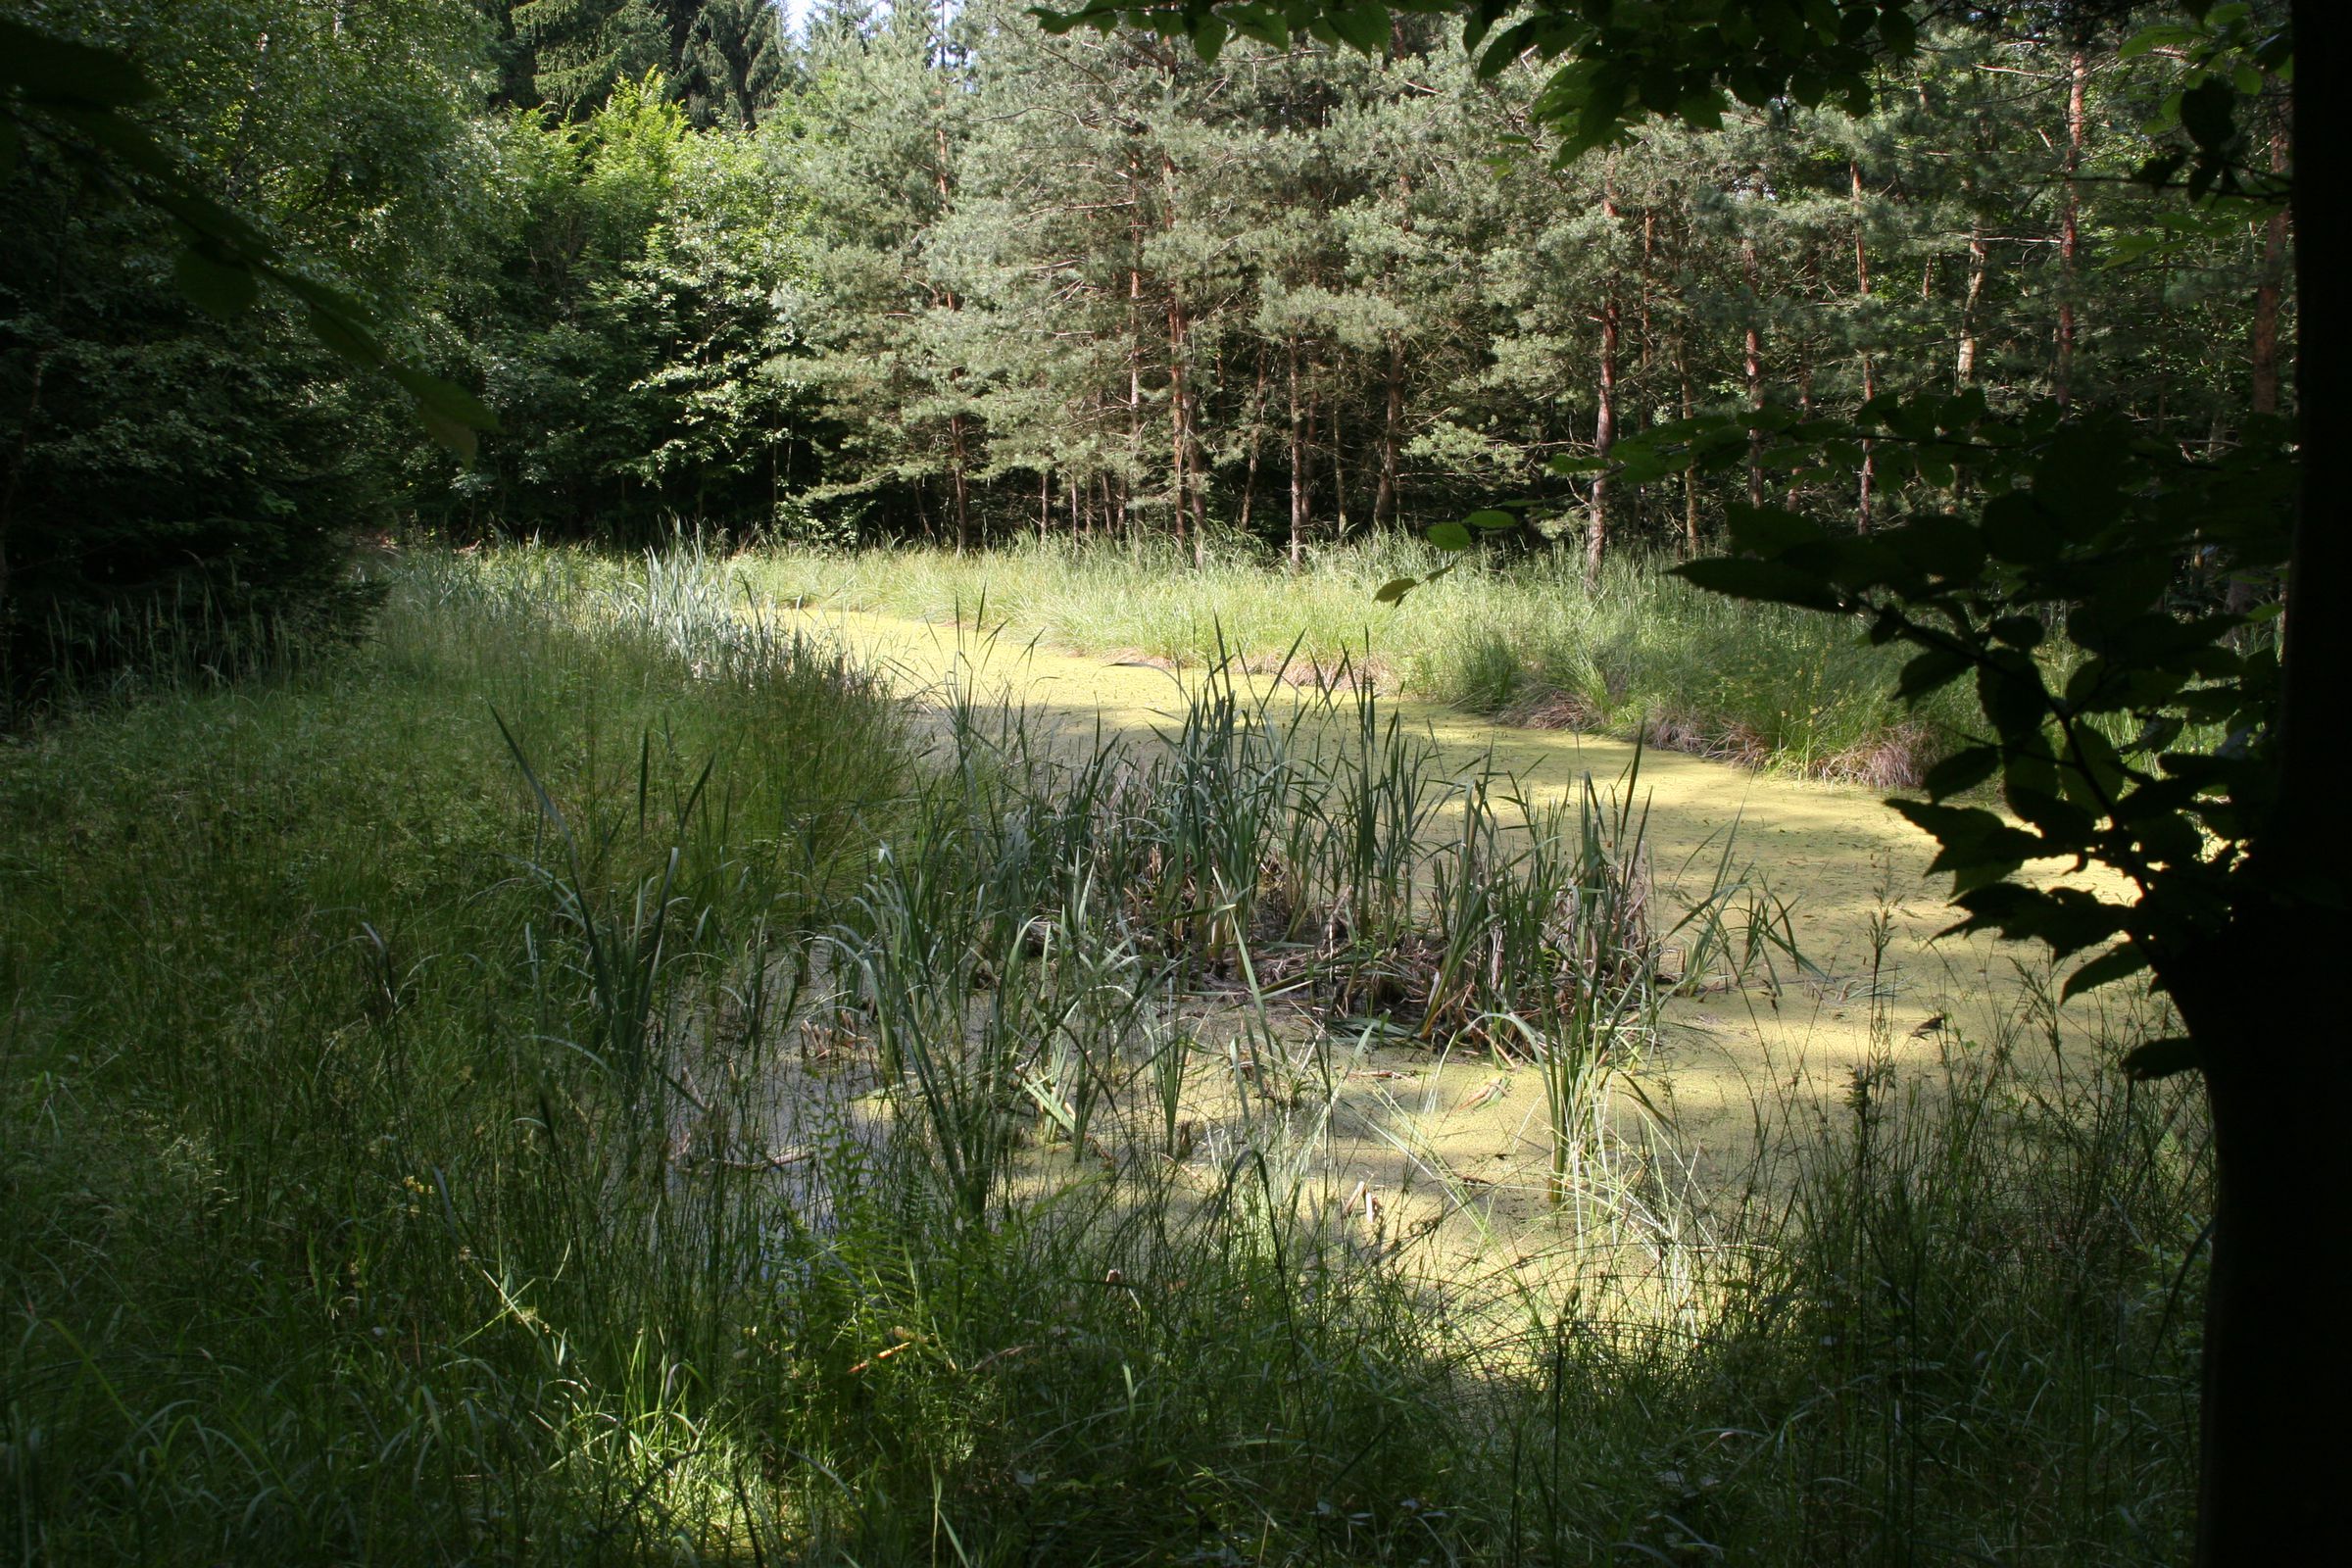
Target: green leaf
(2119, 964)
(1964, 769)
(454, 434)
(53, 70)
(1392, 591)
(346, 338)
(2018, 631)
(1945, 546)
(2162, 1058)
(1931, 671)
(1768, 530)
(1366, 25)
(1767, 580)
(2208, 112)
(1449, 536)
(1491, 518)
(2020, 530)
(1209, 39)
(113, 133)
(2164, 35)
(445, 399)
(223, 288)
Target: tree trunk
(1964, 366)
(2070, 227)
(1135, 343)
(1255, 415)
(1870, 387)
(1179, 441)
(1299, 474)
(1339, 472)
(1755, 370)
(1384, 498)
(2265, 295)
(960, 478)
(2277, 1382)
(1681, 365)
(1604, 417)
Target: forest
(925, 274)
(889, 781)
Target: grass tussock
(572, 1080)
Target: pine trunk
(1964, 364)
(1299, 474)
(2070, 226)
(1870, 389)
(1255, 415)
(1179, 439)
(1384, 498)
(1605, 418)
(1681, 365)
(1755, 370)
(959, 482)
(1339, 473)
(2265, 295)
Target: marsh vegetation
(596, 1074)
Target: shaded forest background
(928, 272)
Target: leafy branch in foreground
(79, 99)
(2076, 585)
(2078, 590)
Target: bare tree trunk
(2070, 227)
(1196, 464)
(1755, 371)
(1804, 411)
(1681, 365)
(958, 474)
(2266, 294)
(1383, 498)
(1180, 477)
(1299, 474)
(1339, 473)
(1135, 343)
(1179, 438)
(1964, 367)
(1605, 418)
(1649, 240)
(1604, 437)
(1254, 414)
(1862, 512)
(2240, 595)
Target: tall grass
(1639, 655)
(572, 1080)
